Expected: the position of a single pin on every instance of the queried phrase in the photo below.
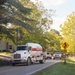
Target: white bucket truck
(27, 54)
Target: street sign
(65, 45)
(65, 51)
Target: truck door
(29, 49)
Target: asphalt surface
(25, 70)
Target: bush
(4, 62)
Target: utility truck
(28, 54)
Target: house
(7, 46)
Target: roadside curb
(42, 68)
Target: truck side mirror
(29, 48)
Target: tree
(57, 44)
(31, 21)
(68, 32)
(2, 2)
(45, 21)
(15, 13)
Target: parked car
(47, 55)
(57, 55)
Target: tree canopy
(68, 32)
(23, 21)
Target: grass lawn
(6, 53)
(59, 69)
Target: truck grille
(16, 56)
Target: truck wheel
(28, 62)
(13, 64)
(41, 61)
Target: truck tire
(13, 64)
(28, 62)
(41, 61)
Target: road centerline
(8, 70)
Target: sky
(63, 8)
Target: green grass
(59, 69)
(6, 53)
(70, 61)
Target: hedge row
(4, 62)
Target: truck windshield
(22, 48)
(57, 52)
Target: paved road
(25, 70)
